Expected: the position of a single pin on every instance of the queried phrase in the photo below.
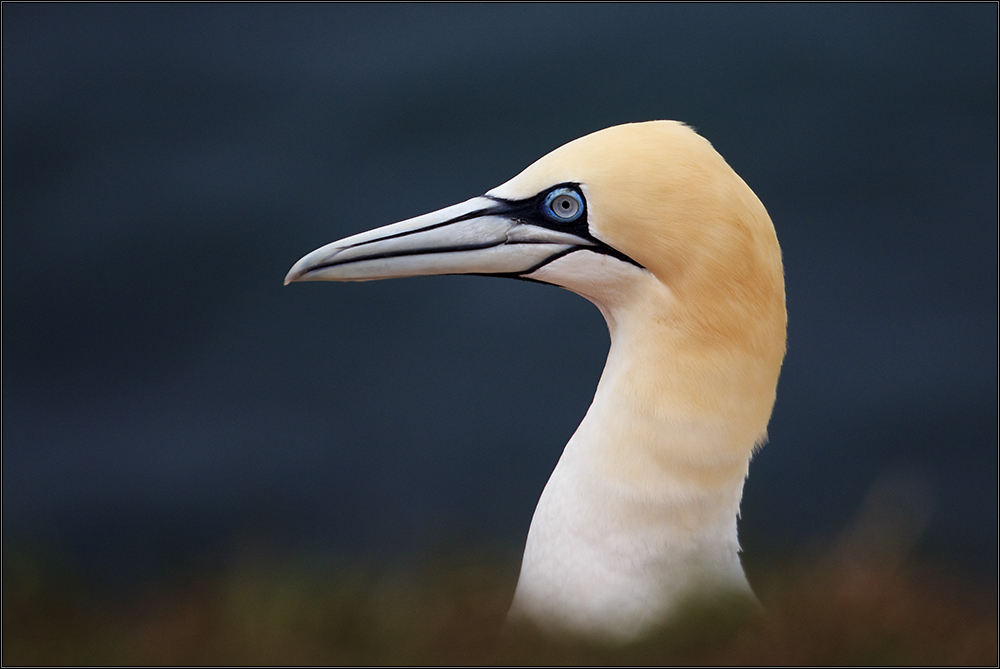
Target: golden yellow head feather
(661, 194)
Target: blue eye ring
(563, 205)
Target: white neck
(640, 511)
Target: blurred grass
(834, 610)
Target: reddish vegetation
(837, 612)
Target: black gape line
(522, 276)
(529, 211)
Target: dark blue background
(164, 397)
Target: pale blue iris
(563, 205)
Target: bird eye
(563, 205)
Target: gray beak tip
(298, 272)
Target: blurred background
(167, 403)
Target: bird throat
(639, 515)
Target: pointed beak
(481, 236)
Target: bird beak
(481, 236)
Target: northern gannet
(648, 222)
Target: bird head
(648, 207)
